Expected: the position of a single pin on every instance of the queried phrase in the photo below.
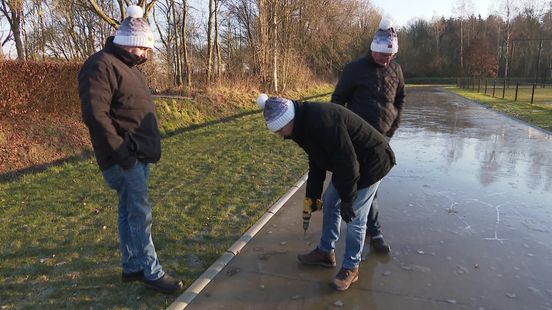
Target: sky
(404, 11)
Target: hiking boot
(132, 276)
(379, 245)
(166, 284)
(344, 278)
(318, 257)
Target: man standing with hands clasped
(337, 140)
(118, 110)
(373, 88)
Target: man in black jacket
(118, 110)
(337, 140)
(373, 88)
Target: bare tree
(463, 9)
(171, 18)
(507, 12)
(184, 43)
(98, 9)
(209, 65)
(13, 11)
(216, 43)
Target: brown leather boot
(344, 278)
(318, 257)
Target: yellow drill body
(308, 208)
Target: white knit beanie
(134, 30)
(277, 111)
(385, 40)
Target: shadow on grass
(88, 154)
(16, 174)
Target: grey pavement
(467, 212)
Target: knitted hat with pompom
(134, 30)
(385, 40)
(277, 111)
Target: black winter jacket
(337, 140)
(374, 92)
(117, 109)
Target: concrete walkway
(467, 211)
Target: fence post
(517, 87)
(485, 86)
(504, 89)
(494, 86)
(533, 93)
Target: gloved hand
(309, 206)
(347, 212)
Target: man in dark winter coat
(118, 110)
(373, 88)
(337, 140)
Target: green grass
(58, 234)
(538, 114)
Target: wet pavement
(467, 211)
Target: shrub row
(45, 87)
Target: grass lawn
(58, 234)
(538, 114)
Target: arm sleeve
(315, 181)
(344, 87)
(399, 102)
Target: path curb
(206, 277)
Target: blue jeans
(373, 227)
(135, 219)
(356, 229)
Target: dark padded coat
(337, 140)
(117, 109)
(374, 92)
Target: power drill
(308, 208)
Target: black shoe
(379, 245)
(132, 276)
(318, 257)
(166, 284)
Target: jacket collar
(371, 59)
(128, 58)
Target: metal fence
(515, 90)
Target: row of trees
(515, 41)
(284, 42)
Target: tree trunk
(184, 44)
(216, 43)
(13, 11)
(210, 42)
(262, 47)
(461, 47)
(177, 60)
(275, 47)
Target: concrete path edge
(205, 278)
